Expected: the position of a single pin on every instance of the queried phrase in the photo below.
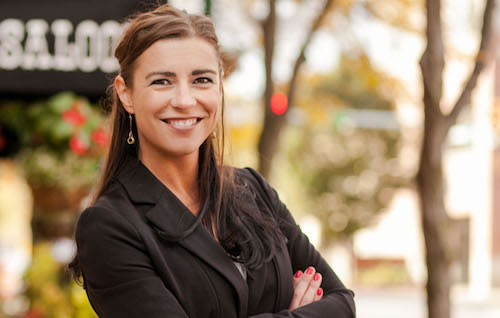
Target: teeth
(182, 123)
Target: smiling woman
(175, 100)
(173, 232)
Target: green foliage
(349, 178)
(348, 166)
(62, 139)
(50, 289)
(358, 85)
(67, 171)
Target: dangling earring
(214, 133)
(130, 138)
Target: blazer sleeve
(118, 274)
(338, 301)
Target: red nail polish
(319, 292)
(316, 276)
(297, 275)
(309, 271)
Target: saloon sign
(25, 46)
(50, 46)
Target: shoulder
(264, 194)
(246, 172)
(105, 239)
(105, 216)
(250, 177)
(97, 222)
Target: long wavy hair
(227, 203)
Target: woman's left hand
(306, 288)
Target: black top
(130, 271)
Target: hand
(306, 288)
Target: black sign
(47, 46)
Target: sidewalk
(410, 303)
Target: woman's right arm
(119, 277)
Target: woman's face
(175, 97)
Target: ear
(123, 94)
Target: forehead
(177, 55)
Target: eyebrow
(172, 74)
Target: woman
(173, 232)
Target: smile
(182, 123)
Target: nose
(183, 97)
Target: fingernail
(297, 275)
(309, 271)
(316, 276)
(320, 291)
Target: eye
(203, 80)
(161, 81)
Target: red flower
(74, 117)
(77, 146)
(100, 137)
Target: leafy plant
(62, 139)
(50, 289)
(345, 146)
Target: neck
(179, 175)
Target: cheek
(217, 111)
(148, 103)
(212, 103)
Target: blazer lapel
(172, 218)
(202, 244)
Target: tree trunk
(269, 141)
(270, 132)
(435, 224)
(429, 178)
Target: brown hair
(144, 30)
(236, 225)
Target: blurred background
(378, 123)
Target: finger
(300, 289)
(312, 290)
(318, 295)
(296, 278)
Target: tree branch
(269, 30)
(481, 61)
(301, 58)
(273, 124)
(432, 62)
(400, 19)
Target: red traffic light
(279, 103)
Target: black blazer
(130, 271)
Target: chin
(182, 150)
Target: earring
(130, 138)
(214, 133)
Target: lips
(181, 122)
